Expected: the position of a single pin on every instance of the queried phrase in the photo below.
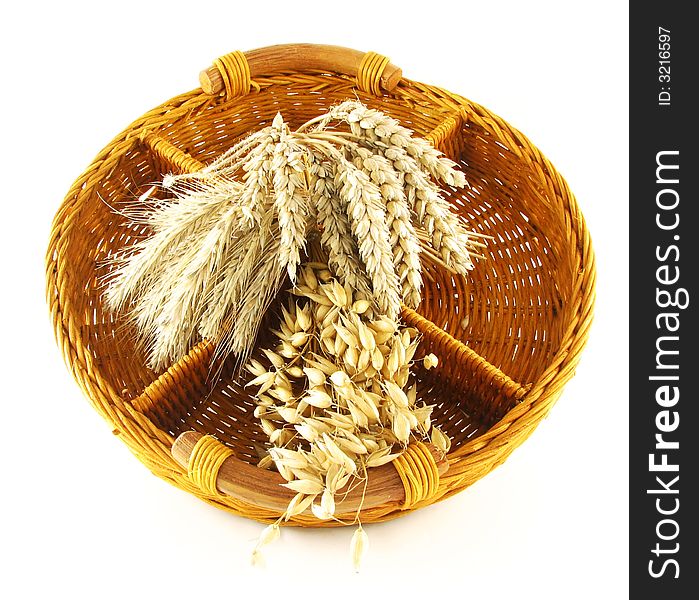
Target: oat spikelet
(269, 535)
(430, 361)
(334, 395)
(358, 547)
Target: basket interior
(511, 309)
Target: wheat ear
(403, 239)
(336, 234)
(368, 222)
(290, 202)
(385, 131)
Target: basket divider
(444, 136)
(180, 161)
(466, 370)
(169, 399)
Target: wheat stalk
(336, 235)
(257, 170)
(403, 239)
(290, 193)
(221, 247)
(413, 159)
(369, 226)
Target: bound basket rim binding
(206, 467)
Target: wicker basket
(508, 337)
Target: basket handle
(225, 474)
(373, 71)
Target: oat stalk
(335, 395)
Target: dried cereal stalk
(257, 167)
(290, 204)
(369, 226)
(234, 279)
(336, 235)
(386, 132)
(403, 239)
(334, 395)
(414, 159)
(221, 247)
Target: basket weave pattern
(508, 336)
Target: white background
(82, 518)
